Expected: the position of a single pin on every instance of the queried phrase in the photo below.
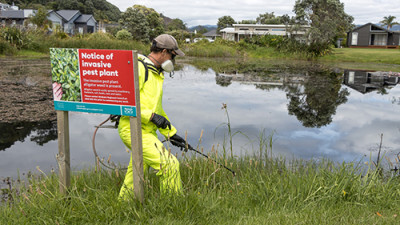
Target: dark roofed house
(15, 17)
(86, 24)
(212, 34)
(373, 36)
(72, 21)
(69, 21)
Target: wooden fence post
(63, 156)
(136, 139)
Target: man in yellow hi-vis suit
(163, 51)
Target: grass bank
(264, 191)
(345, 58)
(34, 44)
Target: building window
(279, 29)
(378, 39)
(354, 38)
(244, 29)
(375, 28)
(351, 77)
(261, 29)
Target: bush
(60, 35)
(124, 35)
(6, 48)
(14, 36)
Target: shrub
(124, 35)
(99, 36)
(60, 35)
(14, 36)
(6, 48)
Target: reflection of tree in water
(316, 101)
(223, 81)
(44, 132)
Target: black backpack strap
(147, 67)
(146, 76)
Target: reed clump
(265, 190)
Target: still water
(339, 115)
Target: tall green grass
(218, 48)
(264, 191)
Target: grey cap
(168, 42)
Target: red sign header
(107, 76)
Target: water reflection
(315, 101)
(367, 81)
(313, 94)
(38, 132)
(313, 112)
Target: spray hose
(180, 145)
(94, 146)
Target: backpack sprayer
(180, 145)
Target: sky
(207, 12)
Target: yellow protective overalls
(154, 153)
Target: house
(212, 34)
(69, 21)
(72, 21)
(373, 36)
(8, 7)
(240, 31)
(15, 17)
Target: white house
(8, 7)
(240, 31)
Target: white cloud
(208, 11)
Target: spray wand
(181, 145)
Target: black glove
(179, 142)
(160, 121)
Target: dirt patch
(25, 90)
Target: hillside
(101, 9)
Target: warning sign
(93, 80)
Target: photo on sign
(65, 74)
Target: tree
(201, 30)
(327, 20)
(156, 23)
(286, 19)
(135, 22)
(247, 22)
(40, 18)
(176, 24)
(388, 21)
(225, 21)
(268, 18)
